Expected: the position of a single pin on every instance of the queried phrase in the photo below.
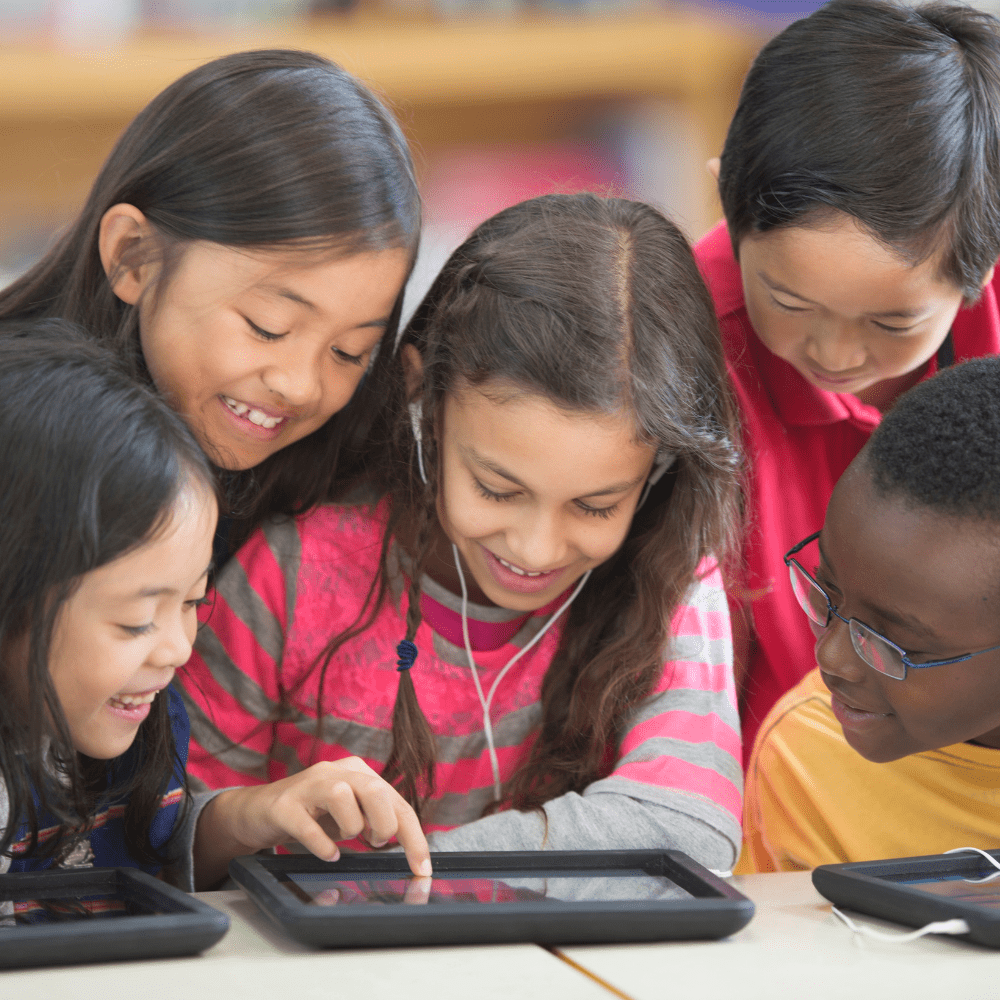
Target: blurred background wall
(501, 99)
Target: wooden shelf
(447, 63)
(469, 82)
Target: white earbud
(664, 460)
(416, 418)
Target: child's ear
(713, 166)
(413, 368)
(989, 276)
(123, 228)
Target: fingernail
(425, 869)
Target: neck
(990, 740)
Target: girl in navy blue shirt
(107, 515)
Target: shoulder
(713, 254)
(800, 736)
(180, 725)
(334, 532)
(329, 533)
(804, 709)
(704, 609)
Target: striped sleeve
(230, 684)
(677, 782)
(683, 750)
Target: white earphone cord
(486, 701)
(954, 926)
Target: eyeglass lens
(874, 650)
(811, 599)
(867, 644)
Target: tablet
(546, 897)
(62, 917)
(916, 891)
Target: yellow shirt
(812, 800)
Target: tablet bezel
(717, 911)
(189, 926)
(860, 885)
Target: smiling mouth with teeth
(254, 416)
(517, 569)
(131, 700)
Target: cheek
(465, 514)
(598, 542)
(780, 333)
(339, 385)
(85, 667)
(904, 354)
(191, 358)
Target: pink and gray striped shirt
(676, 780)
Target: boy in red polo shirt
(860, 183)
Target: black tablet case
(868, 887)
(718, 910)
(185, 926)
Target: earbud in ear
(663, 463)
(416, 419)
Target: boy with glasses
(860, 181)
(892, 747)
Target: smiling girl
(107, 515)
(244, 248)
(892, 747)
(860, 182)
(536, 563)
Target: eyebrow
(287, 293)
(161, 591)
(499, 470)
(888, 314)
(898, 618)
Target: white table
(795, 948)
(255, 961)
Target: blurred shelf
(475, 83)
(465, 62)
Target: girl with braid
(536, 558)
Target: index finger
(411, 838)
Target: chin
(875, 753)
(104, 752)
(513, 601)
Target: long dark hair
(597, 305)
(92, 463)
(267, 149)
(887, 112)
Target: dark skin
(929, 583)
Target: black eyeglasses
(875, 649)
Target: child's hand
(330, 801)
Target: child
(245, 247)
(872, 755)
(860, 182)
(107, 516)
(564, 679)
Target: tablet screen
(61, 909)
(624, 885)
(966, 887)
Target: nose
(297, 376)
(176, 640)
(836, 655)
(537, 541)
(836, 348)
